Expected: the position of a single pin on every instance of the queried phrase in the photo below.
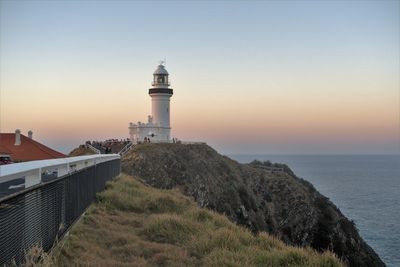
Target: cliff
(132, 224)
(252, 195)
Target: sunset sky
(263, 77)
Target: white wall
(160, 109)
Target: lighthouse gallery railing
(53, 195)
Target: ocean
(366, 188)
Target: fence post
(33, 178)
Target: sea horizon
(310, 154)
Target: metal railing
(95, 150)
(54, 195)
(126, 149)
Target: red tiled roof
(4, 150)
(28, 150)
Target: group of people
(175, 140)
(115, 145)
(147, 140)
(109, 146)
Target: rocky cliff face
(253, 195)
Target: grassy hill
(132, 224)
(80, 151)
(260, 196)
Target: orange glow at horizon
(277, 117)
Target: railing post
(62, 170)
(33, 178)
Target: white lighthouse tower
(160, 95)
(158, 128)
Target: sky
(249, 77)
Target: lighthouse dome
(161, 70)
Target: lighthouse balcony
(161, 91)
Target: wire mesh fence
(42, 214)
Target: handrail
(35, 164)
(33, 171)
(95, 150)
(125, 149)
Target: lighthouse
(160, 97)
(157, 128)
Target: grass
(135, 225)
(80, 151)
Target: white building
(157, 128)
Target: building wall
(156, 134)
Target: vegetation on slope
(260, 196)
(132, 224)
(80, 151)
